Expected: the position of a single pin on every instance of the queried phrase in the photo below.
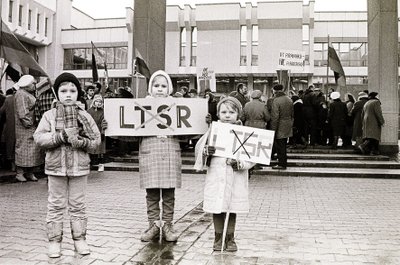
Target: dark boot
(335, 142)
(230, 243)
(54, 233)
(217, 242)
(151, 233)
(78, 231)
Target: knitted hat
(25, 80)
(231, 100)
(162, 73)
(278, 87)
(256, 94)
(335, 95)
(67, 77)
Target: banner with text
(242, 142)
(155, 116)
(206, 79)
(291, 60)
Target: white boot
(54, 233)
(78, 230)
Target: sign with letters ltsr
(155, 116)
(242, 142)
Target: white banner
(291, 60)
(206, 79)
(242, 142)
(155, 116)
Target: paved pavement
(293, 220)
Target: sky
(116, 8)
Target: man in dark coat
(373, 122)
(241, 94)
(281, 123)
(310, 116)
(355, 113)
(298, 122)
(255, 113)
(337, 116)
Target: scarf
(72, 116)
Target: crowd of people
(66, 123)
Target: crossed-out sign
(155, 116)
(242, 142)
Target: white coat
(224, 189)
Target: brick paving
(293, 220)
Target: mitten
(104, 124)
(209, 150)
(208, 118)
(78, 142)
(61, 137)
(71, 132)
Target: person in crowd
(90, 90)
(212, 104)
(310, 116)
(372, 123)
(282, 124)
(7, 112)
(160, 170)
(185, 91)
(349, 101)
(2, 123)
(318, 98)
(298, 122)
(193, 93)
(355, 113)
(241, 94)
(226, 183)
(27, 154)
(255, 113)
(97, 113)
(67, 133)
(337, 116)
(323, 124)
(44, 100)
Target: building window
(38, 23)
(10, 11)
(353, 54)
(243, 45)
(182, 50)
(193, 48)
(81, 58)
(21, 9)
(29, 19)
(254, 45)
(46, 21)
(306, 34)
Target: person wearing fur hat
(160, 170)
(97, 112)
(282, 124)
(67, 133)
(226, 183)
(372, 123)
(27, 154)
(355, 113)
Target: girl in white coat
(226, 184)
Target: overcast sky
(116, 8)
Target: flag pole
(327, 70)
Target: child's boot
(230, 243)
(78, 230)
(169, 233)
(152, 232)
(217, 242)
(54, 233)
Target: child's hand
(71, 132)
(104, 124)
(208, 118)
(235, 164)
(78, 142)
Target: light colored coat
(372, 119)
(64, 160)
(27, 153)
(160, 162)
(224, 189)
(255, 114)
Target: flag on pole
(95, 74)
(13, 73)
(336, 66)
(142, 68)
(13, 51)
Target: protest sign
(242, 142)
(155, 116)
(291, 60)
(205, 79)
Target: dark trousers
(219, 220)
(280, 148)
(153, 204)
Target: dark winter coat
(337, 116)
(356, 115)
(372, 119)
(255, 114)
(282, 116)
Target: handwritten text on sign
(155, 116)
(242, 142)
(291, 60)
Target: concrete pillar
(149, 32)
(383, 66)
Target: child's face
(98, 103)
(227, 114)
(159, 87)
(68, 93)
